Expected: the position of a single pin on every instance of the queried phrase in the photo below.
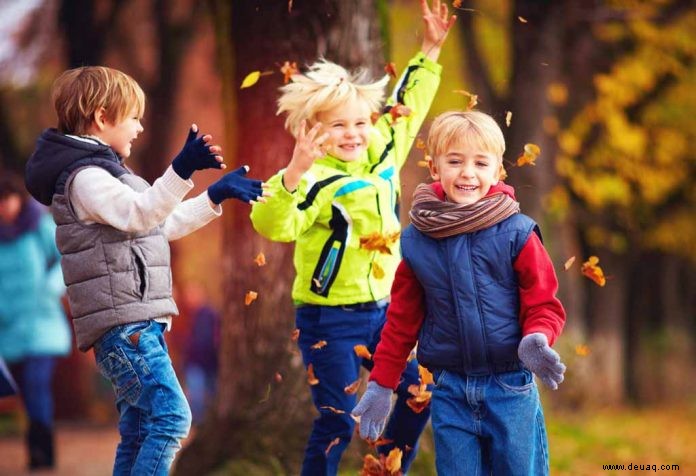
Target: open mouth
(466, 188)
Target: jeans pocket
(519, 381)
(439, 377)
(116, 367)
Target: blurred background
(605, 89)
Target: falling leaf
(316, 282)
(473, 98)
(352, 389)
(508, 118)
(427, 160)
(529, 156)
(289, 6)
(295, 335)
(260, 259)
(582, 350)
(411, 355)
(414, 389)
(288, 69)
(278, 377)
(502, 173)
(319, 345)
(333, 443)
(311, 378)
(374, 117)
(361, 351)
(378, 242)
(371, 466)
(557, 93)
(425, 376)
(590, 270)
(381, 441)
(250, 79)
(569, 263)
(399, 110)
(457, 4)
(250, 297)
(522, 19)
(332, 409)
(419, 403)
(420, 143)
(390, 69)
(393, 463)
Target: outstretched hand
(308, 148)
(197, 154)
(437, 25)
(236, 185)
(536, 354)
(373, 410)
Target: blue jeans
(336, 366)
(490, 424)
(154, 414)
(34, 376)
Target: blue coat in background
(32, 321)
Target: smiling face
(465, 172)
(118, 134)
(348, 127)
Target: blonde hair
(325, 86)
(473, 128)
(78, 93)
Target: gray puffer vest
(113, 277)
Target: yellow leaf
(591, 270)
(250, 79)
(582, 350)
(425, 376)
(377, 271)
(529, 156)
(473, 98)
(393, 462)
(508, 118)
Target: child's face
(10, 206)
(466, 173)
(348, 127)
(120, 135)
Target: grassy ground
(580, 443)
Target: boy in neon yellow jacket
(342, 184)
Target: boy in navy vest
(476, 289)
(112, 231)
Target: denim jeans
(154, 414)
(336, 366)
(490, 424)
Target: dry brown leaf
(333, 409)
(295, 335)
(352, 389)
(288, 69)
(333, 443)
(399, 110)
(390, 69)
(260, 259)
(376, 241)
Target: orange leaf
(374, 117)
(333, 443)
(399, 110)
(420, 143)
(377, 242)
(320, 344)
(508, 118)
(295, 335)
(381, 441)
(414, 389)
(425, 376)
(473, 98)
(250, 297)
(334, 410)
(417, 405)
(390, 69)
(457, 4)
(361, 351)
(352, 388)
(288, 69)
(311, 378)
(569, 262)
(260, 259)
(590, 270)
(582, 350)
(371, 466)
(529, 156)
(393, 463)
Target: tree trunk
(263, 412)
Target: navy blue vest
(471, 323)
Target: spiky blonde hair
(325, 86)
(475, 128)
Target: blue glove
(373, 410)
(195, 155)
(537, 356)
(235, 185)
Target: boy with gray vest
(112, 231)
(477, 291)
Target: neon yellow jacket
(337, 202)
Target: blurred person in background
(33, 327)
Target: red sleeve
(400, 333)
(540, 309)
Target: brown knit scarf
(440, 219)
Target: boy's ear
(99, 118)
(432, 166)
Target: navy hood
(54, 154)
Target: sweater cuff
(175, 184)
(200, 206)
(424, 62)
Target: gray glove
(537, 356)
(373, 410)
